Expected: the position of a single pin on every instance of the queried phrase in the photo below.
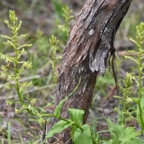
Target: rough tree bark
(89, 46)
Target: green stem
(16, 64)
(124, 109)
(139, 76)
(18, 92)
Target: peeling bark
(89, 46)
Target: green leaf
(131, 58)
(108, 142)
(21, 53)
(116, 130)
(122, 135)
(142, 58)
(6, 57)
(76, 115)
(136, 100)
(129, 134)
(133, 51)
(134, 41)
(19, 25)
(142, 102)
(142, 91)
(58, 127)
(135, 141)
(23, 46)
(83, 137)
(58, 108)
(141, 69)
(7, 37)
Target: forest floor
(40, 20)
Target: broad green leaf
(76, 115)
(135, 141)
(129, 134)
(115, 140)
(83, 137)
(116, 130)
(58, 127)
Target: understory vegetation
(29, 74)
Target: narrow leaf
(131, 58)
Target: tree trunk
(89, 46)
